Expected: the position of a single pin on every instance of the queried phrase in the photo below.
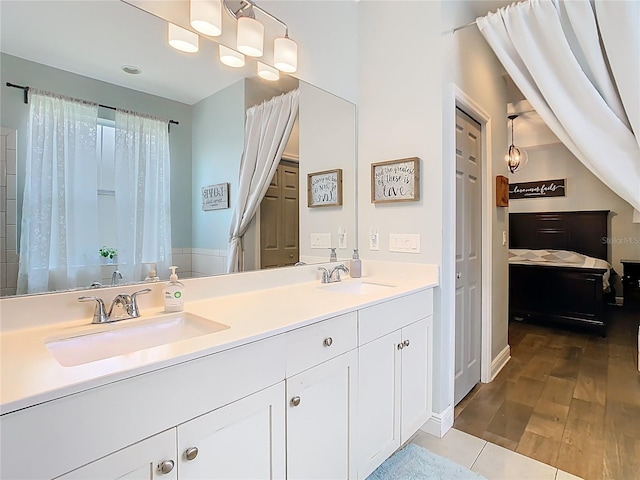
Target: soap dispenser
(173, 293)
(153, 276)
(355, 265)
(333, 257)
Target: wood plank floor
(567, 398)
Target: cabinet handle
(405, 343)
(328, 342)
(166, 466)
(191, 453)
(295, 401)
(400, 346)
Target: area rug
(415, 463)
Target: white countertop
(29, 374)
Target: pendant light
(230, 57)
(182, 39)
(268, 72)
(516, 157)
(206, 16)
(285, 54)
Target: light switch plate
(320, 240)
(504, 237)
(374, 241)
(404, 242)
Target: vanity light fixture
(206, 16)
(516, 157)
(268, 72)
(230, 57)
(182, 39)
(250, 35)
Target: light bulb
(268, 72)
(182, 39)
(285, 54)
(206, 16)
(230, 57)
(250, 36)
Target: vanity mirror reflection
(92, 51)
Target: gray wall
(15, 115)
(218, 140)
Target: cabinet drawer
(317, 343)
(379, 320)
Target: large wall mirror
(92, 51)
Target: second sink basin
(356, 287)
(119, 339)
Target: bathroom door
(468, 254)
(279, 219)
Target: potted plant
(108, 253)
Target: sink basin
(356, 288)
(116, 339)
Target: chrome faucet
(128, 304)
(327, 275)
(115, 277)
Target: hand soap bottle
(173, 293)
(355, 266)
(153, 276)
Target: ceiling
(96, 38)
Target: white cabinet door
(379, 381)
(244, 440)
(140, 461)
(321, 405)
(416, 377)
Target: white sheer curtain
(142, 168)
(59, 238)
(267, 130)
(577, 63)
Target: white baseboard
(439, 423)
(500, 361)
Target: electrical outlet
(342, 239)
(504, 238)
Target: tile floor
(491, 461)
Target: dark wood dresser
(631, 283)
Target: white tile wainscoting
(198, 262)
(8, 212)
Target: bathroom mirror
(79, 49)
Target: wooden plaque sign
(544, 188)
(324, 189)
(395, 181)
(215, 197)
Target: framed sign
(324, 189)
(395, 181)
(544, 188)
(215, 197)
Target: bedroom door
(468, 254)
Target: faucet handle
(325, 274)
(99, 314)
(135, 312)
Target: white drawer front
(317, 343)
(379, 320)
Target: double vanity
(299, 380)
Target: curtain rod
(26, 100)
(471, 24)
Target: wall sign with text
(215, 197)
(544, 188)
(395, 181)
(324, 189)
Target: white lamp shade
(230, 57)
(250, 36)
(206, 16)
(182, 39)
(285, 54)
(268, 72)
